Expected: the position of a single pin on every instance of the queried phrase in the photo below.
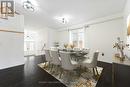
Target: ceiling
(80, 11)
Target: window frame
(78, 31)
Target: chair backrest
(54, 48)
(86, 50)
(95, 58)
(55, 57)
(76, 49)
(69, 49)
(65, 60)
(47, 55)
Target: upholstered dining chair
(66, 63)
(86, 50)
(92, 63)
(69, 49)
(53, 48)
(76, 49)
(55, 58)
(48, 57)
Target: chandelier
(7, 9)
(28, 5)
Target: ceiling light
(28, 5)
(63, 19)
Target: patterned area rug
(84, 78)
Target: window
(77, 38)
(29, 41)
(29, 46)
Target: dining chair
(76, 49)
(69, 49)
(86, 50)
(53, 48)
(48, 57)
(55, 58)
(92, 63)
(66, 63)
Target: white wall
(15, 23)
(43, 36)
(100, 36)
(52, 37)
(11, 44)
(127, 8)
(126, 14)
(47, 36)
(63, 37)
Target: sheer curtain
(77, 37)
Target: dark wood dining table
(76, 55)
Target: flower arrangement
(72, 46)
(120, 45)
(65, 45)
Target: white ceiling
(80, 11)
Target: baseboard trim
(12, 67)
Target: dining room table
(77, 56)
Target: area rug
(85, 79)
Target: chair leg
(61, 73)
(45, 64)
(79, 71)
(94, 72)
(97, 71)
(69, 74)
(51, 68)
(48, 65)
(56, 68)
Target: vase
(122, 56)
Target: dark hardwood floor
(30, 75)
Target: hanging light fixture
(28, 5)
(62, 20)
